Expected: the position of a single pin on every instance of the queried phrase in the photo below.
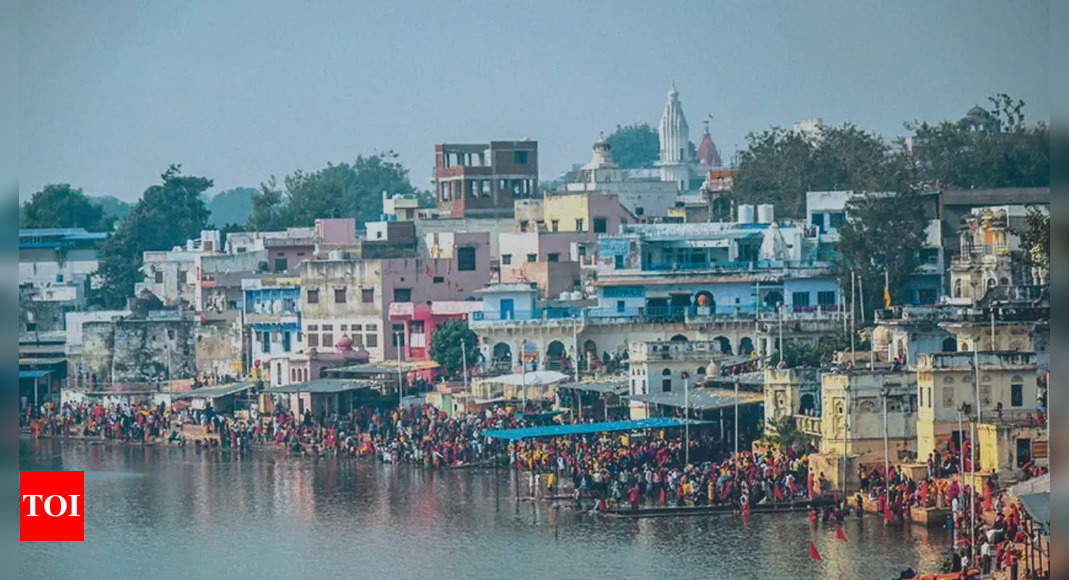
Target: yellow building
(852, 418)
(1009, 388)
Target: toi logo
(51, 506)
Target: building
(420, 321)
(551, 261)
(271, 318)
(853, 418)
(348, 293)
(140, 350)
(794, 394)
(991, 257)
(81, 375)
(56, 274)
(1011, 391)
(484, 179)
(677, 164)
(398, 207)
(283, 251)
(218, 304)
(641, 197)
(171, 275)
(827, 211)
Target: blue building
(721, 269)
(272, 316)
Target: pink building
(336, 231)
(421, 319)
(551, 260)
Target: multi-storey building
(1011, 391)
(56, 273)
(484, 178)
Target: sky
(112, 92)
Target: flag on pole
(886, 290)
(839, 533)
(813, 553)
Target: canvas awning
(605, 387)
(214, 392)
(322, 386)
(699, 399)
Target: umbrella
(531, 379)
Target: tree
(780, 166)
(811, 355)
(985, 149)
(1036, 238)
(634, 146)
(446, 349)
(61, 206)
(883, 232)
(167, 215)
(784, 433)
(338, 190)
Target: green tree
(446, 349)
(167, 215)
(1036, 238)
(985, 149)
(61, 206)
(780, 166)
(784, 433)
(811, 355)
(231, 206)
(634, 146)
(338, 190)
(882, 232)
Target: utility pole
(464, 361)
(523, 373)
(853, 303)
(973, 447)
(993, 329)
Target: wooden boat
(700, 510)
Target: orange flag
(839, 533)
(813, 553)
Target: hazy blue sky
(237, 91)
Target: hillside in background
(112, 206)
(231, 206)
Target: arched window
(666, 381)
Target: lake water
(176, 513)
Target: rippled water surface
(177, 513)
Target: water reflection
(272, 515)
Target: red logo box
(51, 506)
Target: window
(371, 327)
(343, 327)
(466, 259)
(287, 344)
(416, 336)
(242, 250)
(553, 258)
(402, 295)
(817, 220)
(618, 262)
(398, 335)
(371, 340)
(639, 211)
(313, 340)
(620, 306)
(838, 220)
(1016, 395)
(600, 225)
(328, 339)
(357, 327)
(579, 224)
(367, 295)
(506, 259)
(182, 276)
(519, 157)
(826, 298)
(158, 277)
(554, 225)
(313, 327)
(439, 279)
(339, 295)
(800, 299)
(281, 265)
(532, 258)
(313, 296)
(328, 327)
(927, 296)
(523, 225)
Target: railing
(534, 314)
(807, 424)
(731, 265)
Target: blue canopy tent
(586, 428)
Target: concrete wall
(139, 351)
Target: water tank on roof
(745, 214)
(575, 295)
(766, 213)
(336, 255)
(565, 295)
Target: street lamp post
(400, 378)
(686, 417)
(885, 392)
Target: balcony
(537, 316)
(808, 425)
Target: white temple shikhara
(674, 134)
